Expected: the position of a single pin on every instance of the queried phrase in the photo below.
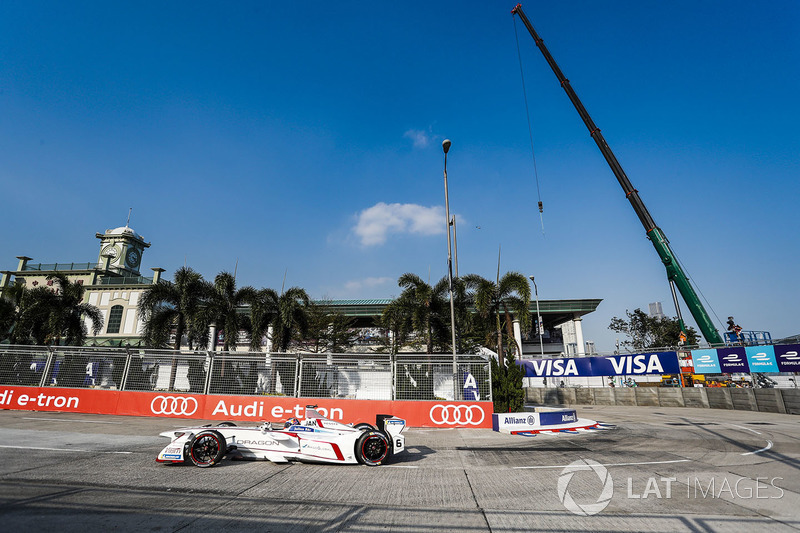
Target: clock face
(110, 251)
(133, 257)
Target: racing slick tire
(364, 425)
(226, 425)
(372, 448)
(207, 448)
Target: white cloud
(377, 222)
(366, 283)
(418, 137)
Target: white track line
(608, 464)
(765, 448)
(72, 420)
(747, 429)
(57, 449)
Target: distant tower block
(656, 310)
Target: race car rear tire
(372, 448)
(226, 425)
(364, 425)
(207, 448)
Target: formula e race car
(314, 439)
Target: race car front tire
(207, 448)
(372, 448)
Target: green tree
(56, 314)
(428, 309)
(10, 309)
(290, 323)
(223, 308)
(291, 320)
(396, 318)
(495, 304)
(507, 393)
(175, 306)
(263, 314)
(67, 321)
(328, 331)
(645, 332)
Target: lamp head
(446, 145)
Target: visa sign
(618, 365)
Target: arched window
(114, 319)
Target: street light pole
(538, 317)
(446, 148)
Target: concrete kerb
(769, 400)
(671, 397)
(625, 396)
(647, 396)
(605, 396)
(791, 400)
(695, 397)
(743, 399)
(783, 401)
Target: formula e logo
(173, 405)
(704, 359)
(732, 358)
(790, 355)
(456, 414)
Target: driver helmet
(291, 422)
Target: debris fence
(308, 375)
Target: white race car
(314, 439)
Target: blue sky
(304, 139)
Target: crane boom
(675, 273)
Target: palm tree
(33, 316)
(55, 315)
(10, 311)
(290, 320)
(292, 317)
(68, 319)
(263, 313)
(167, 306)
(396, 317)
(223, 305)
(8, 317)
(510, 295)
(428, 309)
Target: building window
(114, 319)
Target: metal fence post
(298, 375)
(126, 369)
(47, 366)
(210, 362)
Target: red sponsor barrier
(447, 414)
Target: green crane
(675, 274)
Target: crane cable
(697, 287)
(530, 130)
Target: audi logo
(456, 414)
(173, 405)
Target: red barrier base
(463, 414)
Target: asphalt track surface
(672, 469)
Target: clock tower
(121, 250)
